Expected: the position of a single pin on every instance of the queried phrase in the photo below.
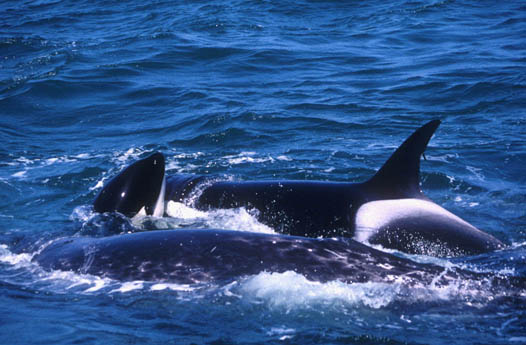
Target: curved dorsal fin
(399, 177)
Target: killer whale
(389, 209)
(186, 256)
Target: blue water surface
(319, 90)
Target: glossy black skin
(298, 208)
(203, 256)
(326, 209)
(135, 187)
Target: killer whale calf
(186, 256)
(389, 209)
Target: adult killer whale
(217, 256)
(389, 209)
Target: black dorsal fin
(399, 177)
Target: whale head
(137, 189)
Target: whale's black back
(299, 208)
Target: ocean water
(318, 90)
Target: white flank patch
(374, 215)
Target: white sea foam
(172, 287)
(129, 286)
(237, 219)
(446, 158)
(82, 213)
(477, 172)
(53, 160)
(57, 281)
(20, 174)
(231, 219)
(10, 258)
(70, 281)
(192, 155)
(180, 210)
(181, 168)
(180, 162)
(23, 167)
(291, 290)
(285, 333)
(24, 161)
(246, 157)
(99, 183)
(132, 153)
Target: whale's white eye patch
(376, 215)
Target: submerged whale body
(389, 209)
(204, 256)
